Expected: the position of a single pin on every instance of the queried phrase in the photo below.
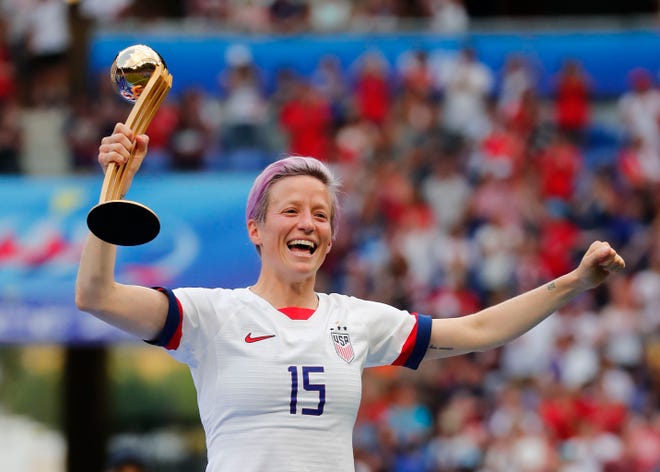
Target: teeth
(302, 242)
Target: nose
(306, 222)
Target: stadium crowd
(462, 186)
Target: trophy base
(123, 222)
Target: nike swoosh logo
(250, 339)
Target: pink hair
(257, 202)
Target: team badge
(342, 341)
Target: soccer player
(277, 366)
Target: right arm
(138, 310)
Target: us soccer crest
(342, 341)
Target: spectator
(516, 81)
(372, 92)
(572, 101)
(375, 15)
(83, 132)
(48, 40)
(330, 81)
(645, 286)
(288, 16)
(250, 16)
(622, 324)
(11, 137)
(632, 162)
(448, 191)
(559, 238)
(106, 11)
(559, 166)
(639, 111)
(448, 16)
(190, 140)
(642, 438)
(467, 84)
(416, 73)
(306, 118)
(210, 10)
(8, 78)
(327, 16)
(357, 140)
(406, 418)
(501, 152)
(245, 109)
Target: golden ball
(132, 69)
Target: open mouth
(302, 245)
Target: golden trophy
(140, 76)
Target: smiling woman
(293, 239)
(279, 364)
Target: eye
(290, 211)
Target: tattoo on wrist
(551, 286)
(441, 348)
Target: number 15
(308, 386)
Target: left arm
(496, 325)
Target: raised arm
(138, 310)
(505, 321)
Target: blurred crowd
(246, 16)
(463, 186)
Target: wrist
(572, 283)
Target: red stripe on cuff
(176, 337)
(409, 345)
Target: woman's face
(296, 234)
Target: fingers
(606, 257)
(120, 146)
(613, 263)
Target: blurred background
(483, 145)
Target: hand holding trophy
(140, 76)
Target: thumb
(139, 151)
(141, 144)
(137, 156)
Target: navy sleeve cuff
(172, 326)
(421, 343)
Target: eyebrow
(299, 202)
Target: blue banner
(197, 60)
(203, 242)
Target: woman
(277, 366)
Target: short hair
(257, 202)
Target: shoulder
(341, 299)
(201, 295)
(338, 300)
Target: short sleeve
(395, 337)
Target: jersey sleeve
(395, 337)
(191, 323)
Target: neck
(283, 294)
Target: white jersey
(279, 390)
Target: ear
(254, 232)
(328, 247)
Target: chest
(272, 364)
